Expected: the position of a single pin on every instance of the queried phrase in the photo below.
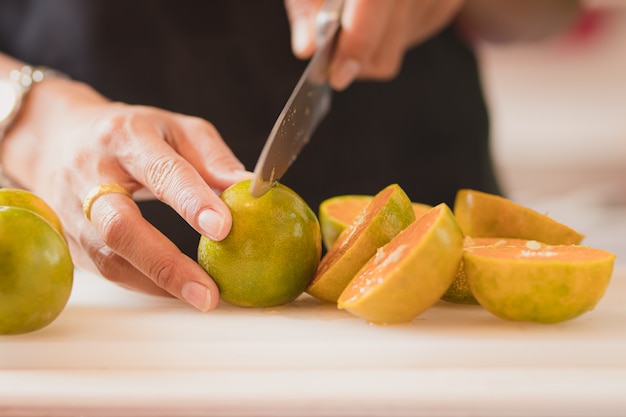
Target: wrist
(14, 89)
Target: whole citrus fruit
(14, 197)
(36, 271)
(410, 273)
(531, 281)
(272, 251)
(339, 212)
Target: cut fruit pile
(385, 266)
(389, 259)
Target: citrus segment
(14, 197)
(532, 281)
(36, 271)
(337, 213)
(487, 215)
(384, 217)
(272, 251)
(410, 273)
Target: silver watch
(13, 89)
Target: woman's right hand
(375, 34)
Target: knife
(308, 104)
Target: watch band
(23, 79)
(19, 82)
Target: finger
(129, 240)
(155, 163)
(301, 15)
(90, 253)
(199, 143)
(430, 18)
(117, 269)
(386, 60)
(363, 26)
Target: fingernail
(345, 73)
(212, 224)
(197, 295)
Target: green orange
(337, 213)
(530, 281)
(388, 213)
(36, 271)
(484, 215)
(14, 197)
(487, 215)
(272, 251)
(410, 273)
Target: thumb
(301, 15)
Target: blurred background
(559, 124)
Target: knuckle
(114, 126)
(113, 230)
(123, 126)
(197, 124)
(160, 171)
(385, 69)
(359, 46)
(87, 248)
(106, 261)
(103, 135)
(170, 182)
(80, 160)
(222, 157)
(203, 133)
(163, 273)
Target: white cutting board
(113, 351)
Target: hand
(375, 34)
(72, 139)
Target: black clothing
(230, 62)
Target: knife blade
(308, 104)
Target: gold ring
(99, 191)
